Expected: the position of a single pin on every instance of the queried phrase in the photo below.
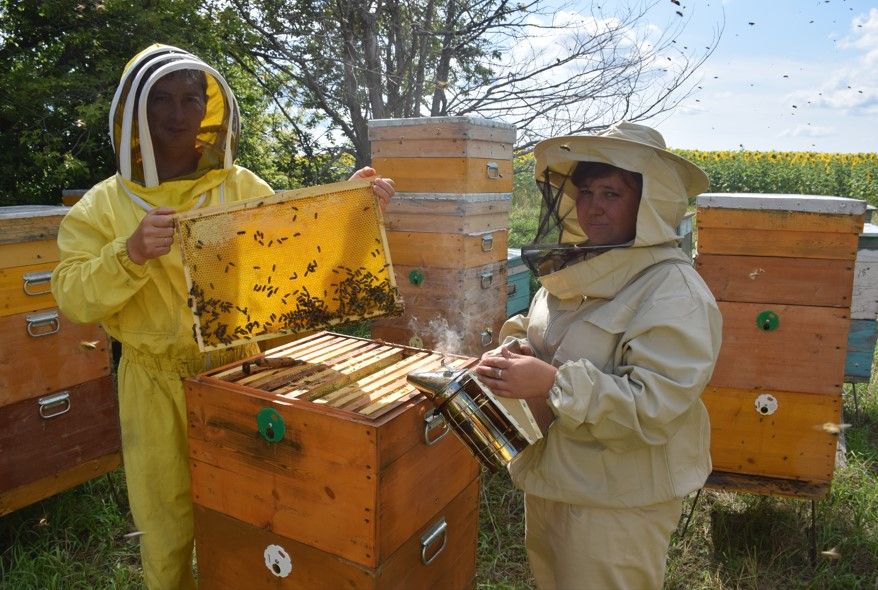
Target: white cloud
(809, 131)
(864, 36)
(854, 88)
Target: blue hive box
(518, 283)
(864, 309)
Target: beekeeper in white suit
(616, 349)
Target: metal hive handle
(37, 278)
(433, 420)
(41, 320)
(431, 537)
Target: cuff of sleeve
(121, 247)
(570, 395)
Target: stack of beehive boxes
(320, 466)
(447, 228)
(58, 409)
(864, 309)
(781, 268)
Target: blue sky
(802, 77)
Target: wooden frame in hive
(290, 263)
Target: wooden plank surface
(790, 443)
(27, 494)
(779, 220)
(28, 223)
(446, 250)
(38, 365)
(797, 281)
(444, 175)
(33, 447)
(452, 291)
(805, 353)
(441, 148)
(462, 128)
(13, 297)
(421, 216)
(317, 485)
(767, 486)
(24, 253)
(232, 553)
(454, 567)
(789, 244)
(409, 494)
(822, 204)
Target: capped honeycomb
(294, 262)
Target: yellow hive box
(290, 263)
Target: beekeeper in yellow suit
(174, 127)
(616, 349)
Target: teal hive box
(518, 283)
(864, 309)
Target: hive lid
(23, 211)
(783, 202)
(293, 262)
(868, 239)
(442, 126)
(25, 223)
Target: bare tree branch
(547, 70)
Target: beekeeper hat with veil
(217, 139)
(668, 182)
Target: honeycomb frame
(290, 263)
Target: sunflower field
(807, 173)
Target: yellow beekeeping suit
(144, 306)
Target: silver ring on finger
(499, 374)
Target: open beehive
(294, 262)
(317, 465)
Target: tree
(60, 62)
(339, 63)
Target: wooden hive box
(444, 154)
(459, 310)
(448, 213)
(864, 309)
(781, 268)
(318, 466)
(57, 398)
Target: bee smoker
(474, 414)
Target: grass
(77, 539)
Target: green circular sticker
(270, 424)
(416, 277)
(767, 321)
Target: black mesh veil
(559, 240)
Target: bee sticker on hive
(259, 268)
